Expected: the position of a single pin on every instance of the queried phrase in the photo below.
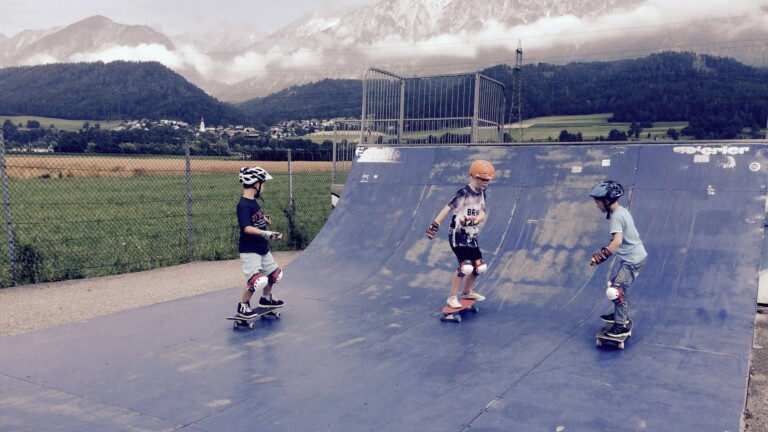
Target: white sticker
(606, 162)
(754, 166)
(576, 169)
(699, 158)
(378, 154)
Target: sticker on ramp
(378, 154)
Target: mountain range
(408, 37)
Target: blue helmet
(607, 190)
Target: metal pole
(8, 217)
(190, 235)
(364, 114)
(401, 117)
(290, 182)
(476, 108)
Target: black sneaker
(244, 310)
(271, 303)
(618, 330)
(609, 318)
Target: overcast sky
(170, 16)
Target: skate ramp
(360, 345)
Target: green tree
(617, 135)
(672, 133)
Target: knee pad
(615, 293)
(480, 267)
(257, 282)
(276, 275)
(465, 267)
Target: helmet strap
(257, 186)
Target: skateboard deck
(454, 314)
(260, 312)
(601, 338)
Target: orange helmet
(482, 169)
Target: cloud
(185, 57)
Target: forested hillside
(718, 96)
(108, 91)
(324, 99)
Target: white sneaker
(453, 302)
(473, 296)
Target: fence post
(190, 235)
(333, 156)
(476, 108)
(7, 208)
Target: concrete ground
(84, 299)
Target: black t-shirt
(249, 213)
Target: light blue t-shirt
(631, 249)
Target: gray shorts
(254, 263)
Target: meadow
(591, 127)
(542, 129)
(61, 124)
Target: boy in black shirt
(261, 270)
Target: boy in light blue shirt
(628, 248)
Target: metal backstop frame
(441, 109)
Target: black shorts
(466, 253)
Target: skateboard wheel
(475, 308)
(250, 326)
(621, 345)
(598, 342)
(457, 318)
(276, 314)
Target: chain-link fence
(78, 216)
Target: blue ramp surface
(360, 346)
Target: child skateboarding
(261, 270)
(467, 209)
(628, 248)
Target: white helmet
(253, 175)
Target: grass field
(83, 225)
(591, 127)
(61, 124)
(545, 129)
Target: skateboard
(260, 312)
(454, 314)
(601, 338)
